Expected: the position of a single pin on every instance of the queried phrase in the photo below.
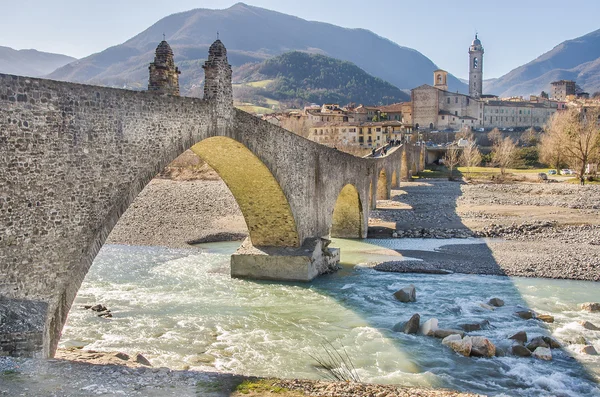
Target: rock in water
(589, 350)
(553, 343)
(545, 318)
(525, 314)
(142, 360)
(487, 307)
(588, 325)
(122, 356)
(520, 336)
(412, 326)
(591, 307)
(458, 344)
(443, 333)
(407, 294)
(521, 351)
(543, 353)
(496, 302)
(482, 347)
(429, 327)
(537, 342)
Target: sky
(513, 32)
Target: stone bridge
(73, 157)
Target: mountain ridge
(576, 59)
(30, 62)
(251, 34)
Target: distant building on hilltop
(563, 88)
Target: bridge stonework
(73, 157)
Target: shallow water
(181, 308)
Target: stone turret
(217, 75)
(164, 75)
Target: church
(436, 108)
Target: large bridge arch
(265, 208)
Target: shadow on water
(252, 322)
(455, 299)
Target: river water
(181, 309)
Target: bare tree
(495, 136)
(452, 159)
(552, 142)
(581, 135)
(504, 152)
(470, 157)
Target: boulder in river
(458, 344)
(588, 325)
(142, 360)
(589, 350)
(443, 333)
(521, 351)
(429, 327)
(485, 324)
(545, 318)
(550, 341)
(543, 353)
(525, 314)
(409, 327)
(520, 336)
(487, 307)
(407, 294)
(537, 342)
(482, 347)
(591, 307)
(496, 302)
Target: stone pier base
(285, 263)
(22, 327)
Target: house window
(455, 99)
(448, 100)
(443, 117)
(456, 113)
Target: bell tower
(476, 68)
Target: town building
(436, 108)
(562, 89)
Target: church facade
(436, 108)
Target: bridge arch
(347, 217)
(382, 185)
(265, 208)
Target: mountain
(30, 62)
(312, 78)
(251, 34)
(577, 59)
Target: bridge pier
(305, 263)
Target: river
(181, 309)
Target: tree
(470, 157)
(495, 136)
(544, 95)
(529, 137)
(580, 137)
(552, 142)
(452, 159)
(503, 154)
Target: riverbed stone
(406, 294)
(487, 307)
(520, 351)
(458, 344)
(496, 302)
(409, 327)
(550, 341)
(482, 347)
(429, 327)
(588, 325)
(589, 350)
(525, 314)
(520, 336)
(537, 342)
(591, 307)
(545, 318)
(543, 353)
(443, 333)
(142, 360)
